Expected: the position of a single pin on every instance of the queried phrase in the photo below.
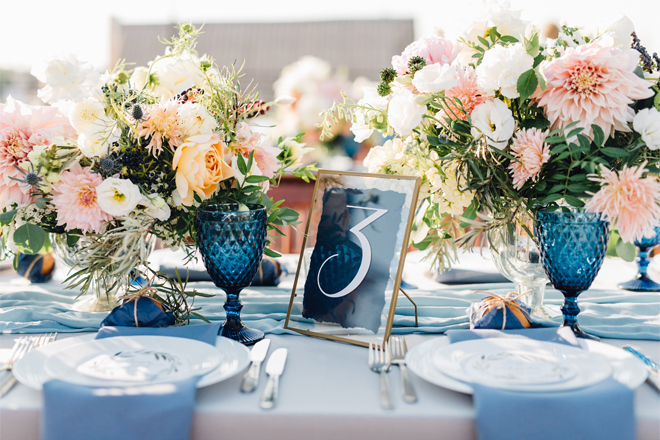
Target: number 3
(366, 254)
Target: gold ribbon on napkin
(503, 302)
(146, 291)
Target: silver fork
(398, 350)
(20, 349)
(379, 361)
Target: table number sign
(349, 273)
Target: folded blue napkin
(158, 412)
(604, 411)
(204, 332)
(145, 412)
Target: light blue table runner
(607, 313)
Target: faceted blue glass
(232, 245)
(643, 283)
(573, 246)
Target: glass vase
(99, 298)
(517, 257)
(573, 246)
(643, 283)
(232, 243)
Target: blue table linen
(604, 411)
(158, 412)
(607, 313)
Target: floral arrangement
(119, 157)
(499, 122)
(312, 87)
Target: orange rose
(200, 167)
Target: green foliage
(29, 238)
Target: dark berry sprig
(648, 64)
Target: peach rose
(200, 167)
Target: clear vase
(99, 298)
(517, 257)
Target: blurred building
(363, 47)
(19, 85)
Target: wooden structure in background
(363, 47)
(297, 194)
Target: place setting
(218, 232)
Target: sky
(35, 30)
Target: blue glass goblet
(572, 246)
(643, 283)
(232, 245)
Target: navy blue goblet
(572, 247)
(643, 283)
(232, 245)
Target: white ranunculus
(96, 141)
(86, 113)
(404, 113)
(361, 127)
(293, 151)
(647, 123)
(156, 207)
(66, 78)
(118, 197)
(494, 120)
(435, 78)
(501, 67)
(194, 120)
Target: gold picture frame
(374, 192)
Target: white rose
(95, 142)
(176, 75)
(66, 78)
(647, 123)
(501, 67)
(404, 113)
(156, 207)
(139, 78)
(494, 120)
(621, 30)
(195, 120)
(361, 128)
(118, 197)
(435, 78)
(390, 158)
(86, 113)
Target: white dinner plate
(31, 370)
(626, 369)
(126, 360)
(521, 364)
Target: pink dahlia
(75, 200)
(530, 149)
(628, 199)
(161, 125)
(593, 83)
(22, 127)
(467, 90)
(433, 49)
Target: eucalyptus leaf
(29, 238)
(7, 217)
(626, 250)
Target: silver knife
(274, 369)
(652, 367)
(257, 356)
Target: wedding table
(327, 391)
